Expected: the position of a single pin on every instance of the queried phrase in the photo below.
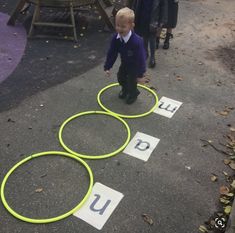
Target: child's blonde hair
(126, 13)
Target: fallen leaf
(229, 194)
(227, 161)
(225, 173)
(147, 219)
(204, 145)
(43, 175)
(224, 113)
(203, 229)
(232, 129)
(179, 78)
(224, 190)
(92, 57)
(38, 190)
(224, 201)
(232, 165)
(233, 184)
(153, 88)
(214, 178)
(10, 120)
(231, 138)
(219, 83)
(227, 209)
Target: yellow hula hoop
(48, 220)
(94, 156)
(127, 116)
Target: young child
(130, 46)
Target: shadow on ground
(226, 56)
(47, 63)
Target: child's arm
(140, 60)
(111, 56)
(107, 73)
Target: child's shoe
(132, 99)
(122, 94)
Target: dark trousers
(149, 37)
(127, 78)
(151, 41)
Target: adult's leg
(159, 30)
(169, 35)
(172, 22)
(152, 43)
(146, 42)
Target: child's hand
(107, 73)
(143, 80)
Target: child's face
(123, 25)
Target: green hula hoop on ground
(127, 116)
(94, 156)
(48, 220)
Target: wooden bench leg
(36, 15)
(107, 2)
(104, 15)
(15, 12)
(73, 22)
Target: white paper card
(167, 107)
(141, 146)
(99, 206)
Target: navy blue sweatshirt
(133, 54)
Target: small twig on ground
(209, 143)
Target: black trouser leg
(128, 80)
(133, 92)
(152, 43)
(122, 78)
(157, 42)
(146, 41)
(132, 85)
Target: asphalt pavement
(56, 79)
